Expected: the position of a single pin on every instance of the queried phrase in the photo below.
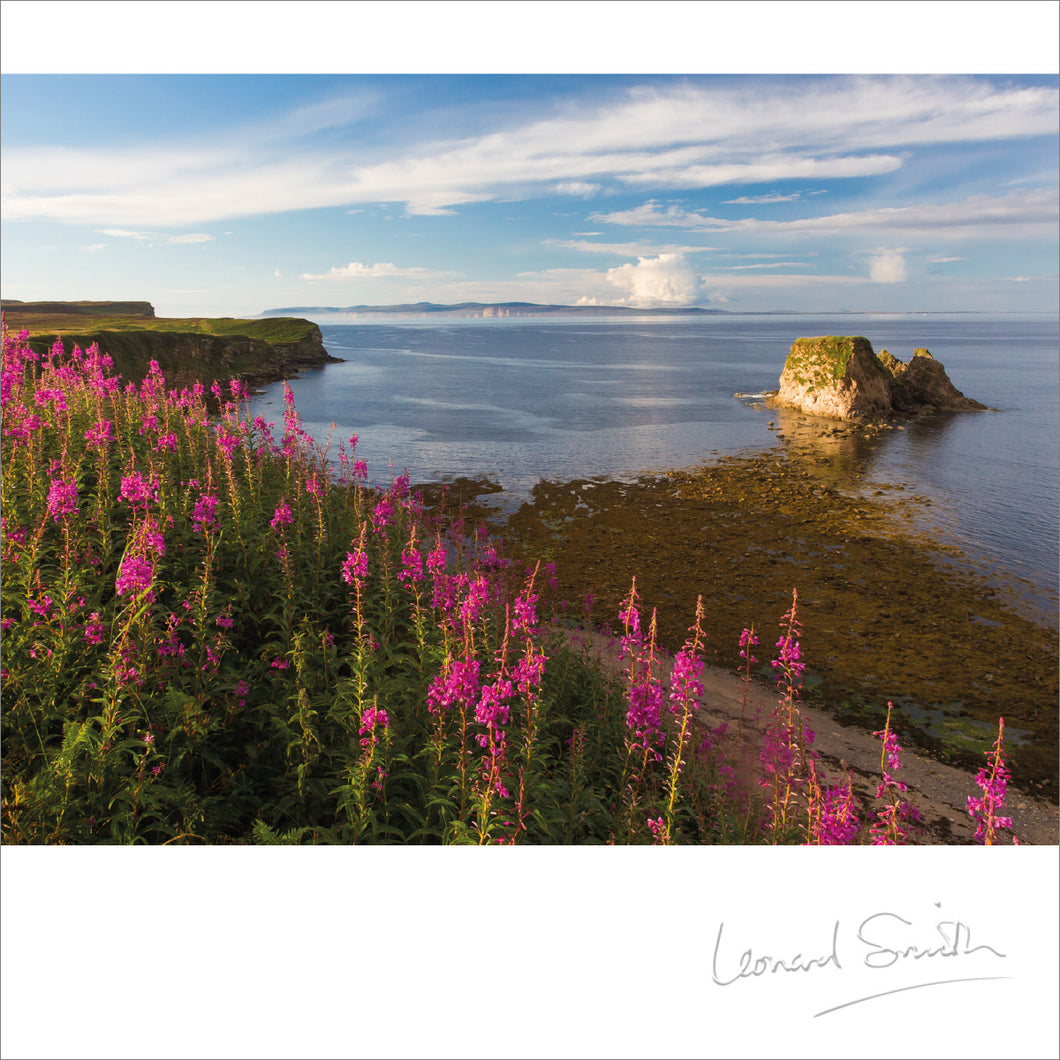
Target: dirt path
(939, 791)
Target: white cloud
(91, 248)
(358, 270)
(682, 136)
(663, 281)
(753, 200)
(782, 167)
(943, 261)
(888, 266)
(152, 238)
(1022, 214)
(579, 188)
(773, 265)
(642, 250)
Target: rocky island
(839, 376)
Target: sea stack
(839, 376)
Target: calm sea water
(523, 400)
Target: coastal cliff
(839, 376)
(188, 350)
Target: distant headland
(487, 310)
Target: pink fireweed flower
(204, 515)
(475, 601)
(411, 565)
(644, 716)
(528, 673)
(134, 575)
(57, 397)
(41, 606)
(436, 560)
(992, 781)
(355, 566)
(525, 613)
(312, 485)
(747, 641)
(382, 514)
(167, 442)
(137, 491)
(372, 719)
(460, 686)
(360, 470)
(889, 827)
(93, 633)
(685, 684)
(241, 690)
(62, 499)
(228, 443)
(282, 516)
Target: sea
(518, 400)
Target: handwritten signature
(881, 941)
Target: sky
(230, 193)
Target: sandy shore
(939, 791)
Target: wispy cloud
(1020, 214)
(153, 238)
(673, 136)
(587, 246)
(358, 270)
(773, 265)
(754, 200)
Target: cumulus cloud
(666, 280)
(359, 270)
(888, 266)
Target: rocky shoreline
(889, 613)
(938, 791)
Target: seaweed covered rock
(837, 376)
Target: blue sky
(231, 193)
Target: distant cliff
(188, 350)
(839, 376)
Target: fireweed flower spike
(889, 830)
(992, 781)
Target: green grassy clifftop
(187, 349)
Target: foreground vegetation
(211, 635)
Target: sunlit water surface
(523, 400)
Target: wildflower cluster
(211, 635)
